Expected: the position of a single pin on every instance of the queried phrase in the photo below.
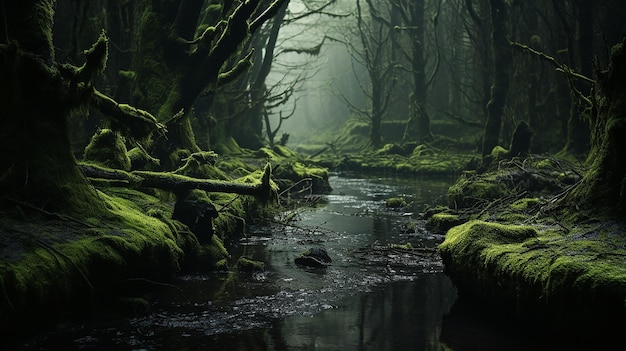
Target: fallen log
(179, 183)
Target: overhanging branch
(139, 122)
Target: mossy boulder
(524, 204)
(391, 148)
(499, 153)
(58, 268)
(297, 171)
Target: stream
(370, 298)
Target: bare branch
(570, 74)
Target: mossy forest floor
(54, 266)
(513, 250)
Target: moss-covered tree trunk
(502, 64)
(604, 185)
(162, 65)
(36, 97)
(180, 58)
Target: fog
(324, 80)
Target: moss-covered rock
(316, 257)
(524, 204)
(566, 284)
(396, 202)
(499, 153)
(391, 148)
(247, 265)
(442, 222)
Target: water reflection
(352, 305)
(404, 315)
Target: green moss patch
(58, 267)
(396, 202)
(572, 281)
(442, 222)
(107, 148)
(469, 191)
(392, 160)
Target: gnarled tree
(175, 66)
(37, 96)
(604, 184)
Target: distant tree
(412, 14)
(374, 54)
(578, 26)
(249, 122)
(502, 64)
(479, 33)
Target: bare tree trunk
(377, 114)
(578, 126)
(502, 63)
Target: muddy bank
(513, 251)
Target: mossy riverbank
(516, 253)
(54, 267)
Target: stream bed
(370, 298)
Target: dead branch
(570, 74)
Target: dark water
(369, 299)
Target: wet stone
(316, 257)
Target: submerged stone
(245, 264)
(396, 202)
(316, 257)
